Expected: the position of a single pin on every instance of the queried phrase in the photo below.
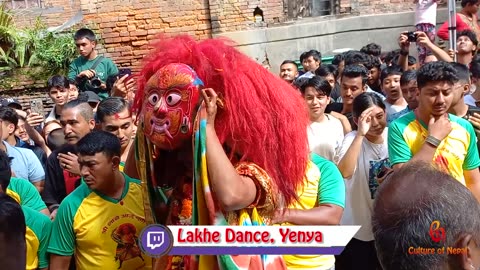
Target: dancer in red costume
(220, 141)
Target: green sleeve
(112, 69)
(28, 194)
(331, 189)
(73, 70)
(41, 226)
(62, 238)
(43, 259)
(398, 150)
(472, 161)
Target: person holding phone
(122, 85)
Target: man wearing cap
(93, 100)
(11, 102)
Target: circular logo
(156, 240)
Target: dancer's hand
(210, 98)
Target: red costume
(261, 122)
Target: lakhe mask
(170, 104)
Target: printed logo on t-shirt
(377, 172)
(127, 243)
(123, 229)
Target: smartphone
(124, 71)
(36, 106)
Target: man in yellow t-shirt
(430, 134)
(321, 202)
(38, 225)
(101, 220)
(26, 194)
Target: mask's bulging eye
(173, 98)
(153, 99)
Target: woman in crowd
(317, 95)
(364, 164)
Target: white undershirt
(325, 138)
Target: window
(308, 8)
(22, 4)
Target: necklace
(376, 149)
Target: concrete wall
(276, 44)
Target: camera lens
(95, 83)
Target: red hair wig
(264, 118)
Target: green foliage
(55, 52)
(33, 47)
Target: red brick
(140, 52)
(110, 35)
(139, 43)
(154, 31)
(107, 24)
(139, 33)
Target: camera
(412, 37)
(95, 82)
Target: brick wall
(53, 12)
(366, 7)
(237, 15)
(127, 27)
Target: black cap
(92, 97)
(11, 102)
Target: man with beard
(430, 134)
(288, 71)
(353, 83)
(63, 172)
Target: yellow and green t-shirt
(121, 166)
(323, 185)
(102, 232)
(25, 193)
(456, 153)
(37, 236)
